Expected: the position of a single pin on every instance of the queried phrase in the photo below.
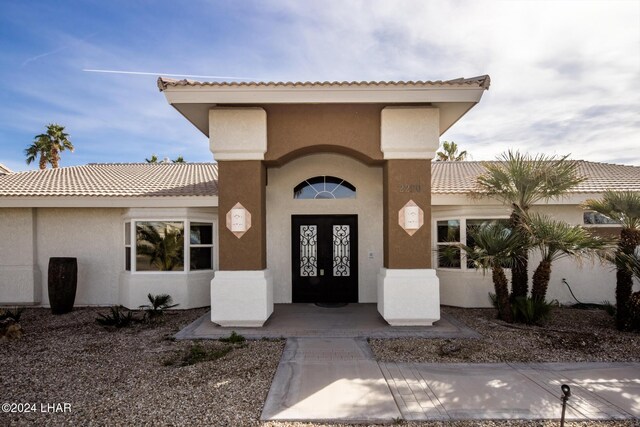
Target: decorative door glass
(308, 250)
(341, 251)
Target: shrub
(198, 353)
(234, 338)
(530, 311)
(634, 310)
(117, 318)
(159, 303)
(14, 314)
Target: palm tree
(180, 159)
(495, 246)
(555, 240)
(450, 153)
(153, 159)
(519, 181)
(164, 247)
(38, 150)
(56, 140)
(624, 208)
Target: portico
(324, 191)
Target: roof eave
(454, 98)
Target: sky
(565, 75)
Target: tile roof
(460, 177)
(4, 169)
(480, 81)
(115, 180)
(201, 179)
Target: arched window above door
(324, 187)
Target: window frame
(186, 243)
(463, 237)
(337, 186)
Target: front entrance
(325, 258)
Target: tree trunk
(629, 239)
(519, 271)
(42, 162)
(63, 279)
(501, 286)
(55, 157)
(541, 281)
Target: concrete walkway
(329, 379)
(338, 380)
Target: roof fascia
(107, 202)
(463, 199)
(302, 95)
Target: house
(322, 192)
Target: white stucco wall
(95, 238)
(19, 271)
(367, 205)
(591, 281)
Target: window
(448, 237)
(596, 218)
(160, 246)
(452, 232)
(127, 246)
(324, 187)
(201, 243)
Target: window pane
(448, 256)
(127, 233)
(127, 258)
(160, 246)
(201, 233)
(449, 231)
(201, 259)
(324, 187)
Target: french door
(325, 258)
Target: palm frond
(520, 180)
(620, 206)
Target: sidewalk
(337, 379)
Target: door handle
(322, 271)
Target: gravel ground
(122, 377)
(119, 377)
(571, 335)
(482, 423)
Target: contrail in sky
(143, 73)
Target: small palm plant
(159, 303)
(496, 247)
(555, 240)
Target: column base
(241, 298)
(409, 297)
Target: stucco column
(242, 289)
(408, 288)
(405, 180)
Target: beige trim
(465, 200)
(107, 202)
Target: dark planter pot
(63, 281)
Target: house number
(410, 188)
